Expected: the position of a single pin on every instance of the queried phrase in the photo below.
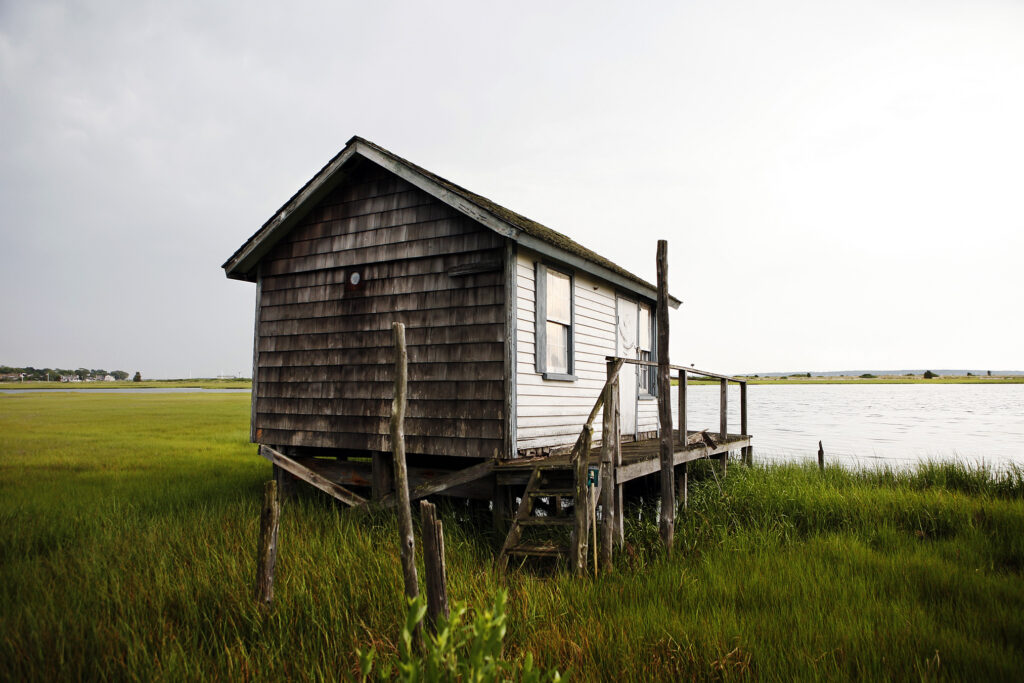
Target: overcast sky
(841, 184)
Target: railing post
(724, 422)
(748, 458)
(682, 408)
(607, 467)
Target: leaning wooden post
(266, 558)
(723, 426)
(433, 565)
(668, 483)
(581, 507)
(608, 468)
(408, 544)
(748, 459)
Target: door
(627, 316)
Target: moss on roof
(518, 221)
(530, 227)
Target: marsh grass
(128, 527)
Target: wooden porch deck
(639, 458)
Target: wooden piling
(266, 556)
(382, 479)
(501, 508)
(434, 565)
(668, 494)
(582, 513)
(683, 484)
(408, 543)
(821, 456)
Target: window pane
(559, 298)
(645, 328)
(558, 347)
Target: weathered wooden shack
(509, 323)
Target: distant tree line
(30, 374)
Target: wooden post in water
(407, 542)
(608, 506)
(821, 456)
(266, 556)
(582, 516)
(668, 493)
(433, 565)
(748, 457)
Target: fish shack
(518, 337)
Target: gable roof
(528, 233)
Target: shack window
(645, 351)
(554, 320)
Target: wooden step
(543, 550)
(547, 521)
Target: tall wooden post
(668, 492)
(620, 511)
(581, 502)
(266, 556)
(608, 512)
(408, 543)
(748, 458)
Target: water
(873, 424)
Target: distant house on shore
(509, 322)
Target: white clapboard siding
(551, 413)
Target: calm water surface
(872, 424)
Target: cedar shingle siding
(325, 359)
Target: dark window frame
(540, 270)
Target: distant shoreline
(869, 380)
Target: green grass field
(128, 384)
(128, 528)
